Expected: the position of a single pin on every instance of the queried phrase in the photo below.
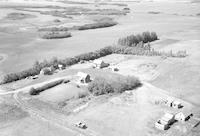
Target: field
(33, 48)
(61, 93)
(54, 111)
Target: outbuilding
(168, 118)
(161, 126)
(183, 116)
(83, 77)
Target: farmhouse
(83, 77)
(100, 64)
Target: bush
(102, 85)
(33, 91)
(55, 35)
(54, 29)
(96, 25)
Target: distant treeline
(95, 25)
(62, 32)
(55, 34)
(133, 40)
(138, 49)
(99, 24)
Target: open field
(61, 93)
(54, 111)
(33, 48)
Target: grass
(62, 92)
(10, 111)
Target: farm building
(183, 116)
(161, 126)
(83, 77)
(168, 118)
(100, 64)
(165, 121)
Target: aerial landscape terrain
(99, 67)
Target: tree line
(139, 48)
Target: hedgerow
(36, 91)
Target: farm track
(57, 120)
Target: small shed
(100, 63)
(176, 104)
(161, 126)
(183, 116)
(168, 118)
(83, 77)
